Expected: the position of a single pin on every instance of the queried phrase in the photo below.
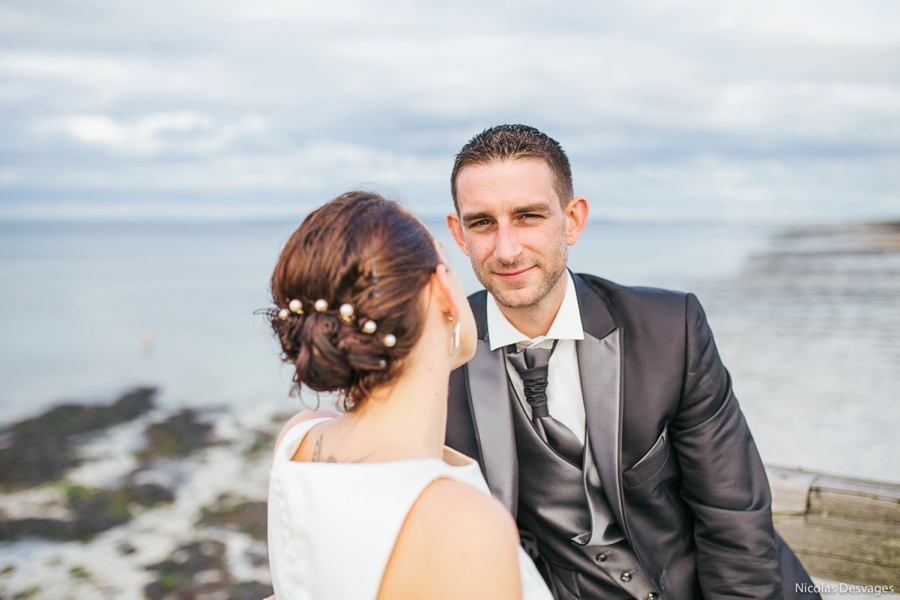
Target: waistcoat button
(603, 556)
(652, 596)
(626, 576)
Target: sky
(740, 111)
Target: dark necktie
(531, 364)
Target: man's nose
(508, 247)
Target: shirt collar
(566, 325)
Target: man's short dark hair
(511, 142)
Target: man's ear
(455, 227)
(577, 211)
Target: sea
(806, 319)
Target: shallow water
(810, 330)
(87, 310)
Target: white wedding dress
(332, 526)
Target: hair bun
(319, 362)
(333, 257)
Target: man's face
(512, 226)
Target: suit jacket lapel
(492, 413)
(600, 367)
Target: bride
(369, 503)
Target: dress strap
(292, 439)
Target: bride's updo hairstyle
(358, 251)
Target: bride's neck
(408, 418)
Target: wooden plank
(874, 543)
(862, 487)
(842, 529)
(844, 549)
(795, 491)
(851, 504)
(849, 572)
(790, 489)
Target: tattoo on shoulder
(317, 453)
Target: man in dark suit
(601, 415)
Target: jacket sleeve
(723, 480)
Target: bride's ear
(442, 292)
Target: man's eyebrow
(476, 216)
(537, 207)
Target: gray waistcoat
(564, 507)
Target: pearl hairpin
(346, 311)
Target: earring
(454, 342)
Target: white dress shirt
(564, 398)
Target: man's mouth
(514, 275)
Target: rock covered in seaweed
(151, 486)
(179, 435)
(92, 511)
(237, 515)
(41, 449)
(200, 570)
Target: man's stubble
(552, 270)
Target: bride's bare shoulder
(456, 543)
(306, 415)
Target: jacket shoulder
(626, 301)
(478, 302)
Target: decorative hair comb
(346, 311)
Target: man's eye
(481, 223)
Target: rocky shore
(128, 501)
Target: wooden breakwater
(842, 529)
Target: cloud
(698, 109)
(183, 132)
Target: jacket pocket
(650, 464)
